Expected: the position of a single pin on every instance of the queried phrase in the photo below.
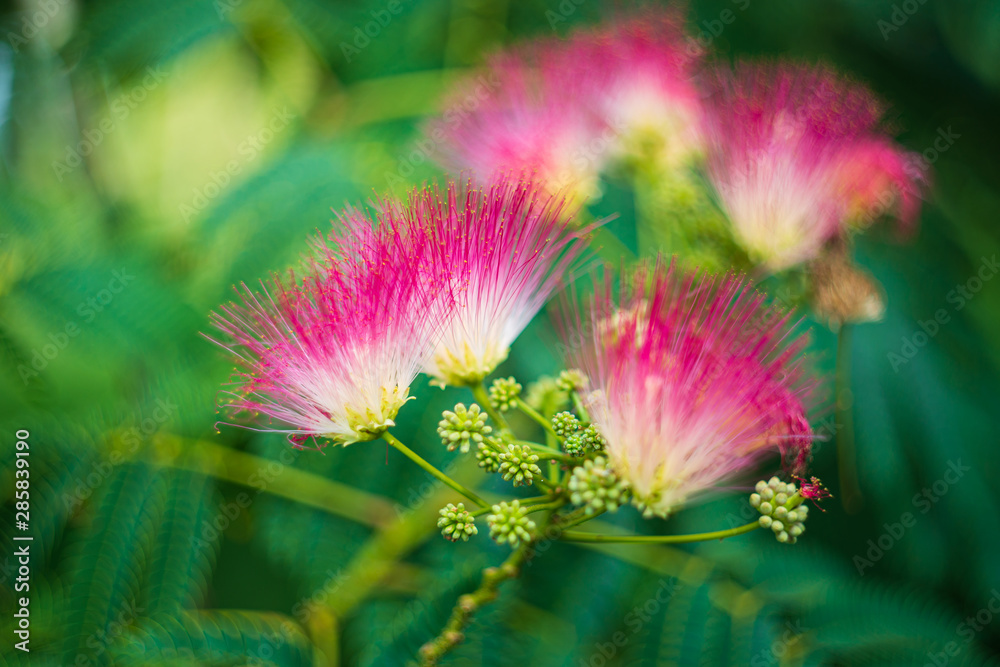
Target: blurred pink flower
(694, 380)
(798, 156)
(565, 109)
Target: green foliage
(124, 570)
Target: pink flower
(526, 115)
(797, 155)
(813, 490)
(506, 249)
(694, 380)
(333, 354)
(641, 70)
(565, 109)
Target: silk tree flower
(332, 354)
(641, 69)
(566, 109)
(798, 157)
(694, 380)
(506, 248)
(530, 118)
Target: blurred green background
(152, 154)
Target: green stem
(581, 410)
(531, 412)
(416, 458)
(847, 464)
(578, 517)
(547, 506)
(526, 502)
(483, 398)
(547, 453)
(452, 634)
(574, 536)
(208, 458)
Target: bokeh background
(152, 154)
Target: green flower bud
(462, 427)
(571, 380)
(596, 488)
(587, 441)
(488, 457)
(518, 464)
(510, 524)
(777, 503)
(504, 393)
(456, 523)
(565, 424)
(545, 396)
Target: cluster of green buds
(781, 509)
(578, 440)
(587, 441)
(572, 380)
(488, 455)
(462, 427)
(456, 523)
(596, 488)
(519, 464)
(504, 393)
(509, 523)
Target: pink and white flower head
(641, 69)
(798, 156)
(565, 109)
(332, 355)
(526, 115)
(506, 248)
(694, 379)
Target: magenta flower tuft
(641, 69)
(526, 115)
(694, 380)
(798, 157)
(566, 109)
(506, 249)
(333, 354)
